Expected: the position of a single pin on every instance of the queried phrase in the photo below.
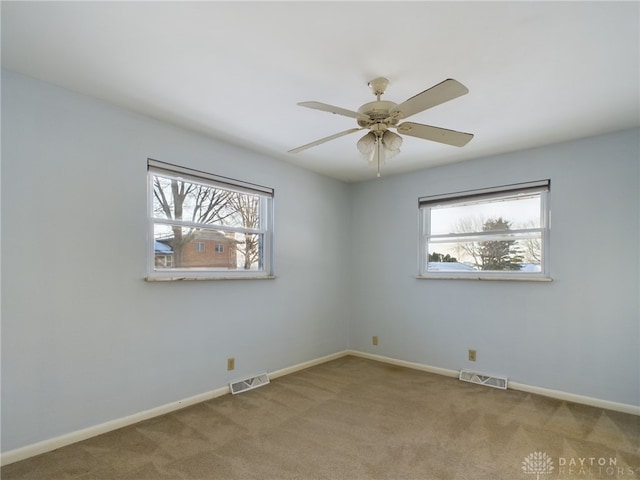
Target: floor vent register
(483, 379)
(250, 383)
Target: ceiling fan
(382, 115)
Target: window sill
(188, 279)
(489, 278)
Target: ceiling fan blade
(440, 93)
(331, 109)
(323, 140)
(435, 134)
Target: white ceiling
(538, 72)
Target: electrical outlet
(231, 363)
(374, 340)
(472, 355)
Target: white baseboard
(403, 363)
(572, 397)
(44, 446)
(546, 392)
(310, 363)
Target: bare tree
(247, 209)
(469, 249)
(532, 246)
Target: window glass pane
(199, 203)
(192, 248)
(196, 248)
(507, 254)
(250, 251)
(521, 212)
(244, 211)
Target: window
(495, 233)
(202, 226)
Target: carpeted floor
(354, 418)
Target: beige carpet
(354, 418)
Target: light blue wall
(578, 334)
(84, 338)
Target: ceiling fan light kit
(381, 144)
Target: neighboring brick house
(210, 249)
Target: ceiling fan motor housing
(378, 112)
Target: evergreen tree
(438, 257)
(499, 254)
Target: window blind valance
(457, 197)
(216, 180)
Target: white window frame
(265, 229)
(427, 203)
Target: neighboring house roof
(162, 248)
(204, 235)
(212, 235)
